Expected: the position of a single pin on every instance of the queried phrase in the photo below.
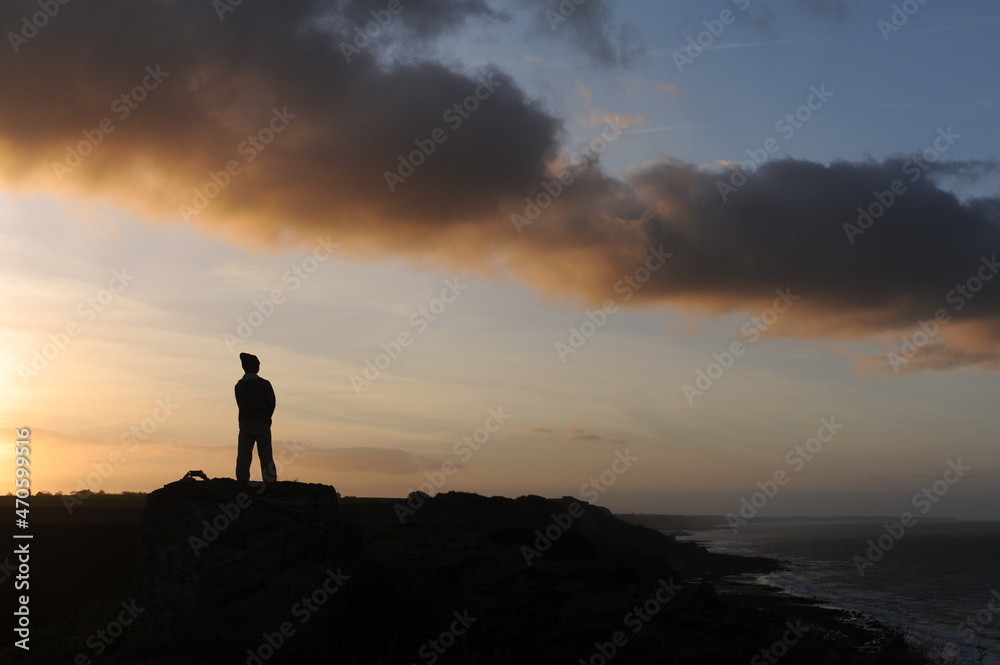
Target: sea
(937, 582)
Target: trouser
(259, 433)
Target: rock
(569, 527)
(221, 567)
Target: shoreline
(839, 612)
(724, 570)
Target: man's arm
(270, 398)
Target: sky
(677, 257)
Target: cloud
(929, 355)
(935, 356)
(598, 118)
(389, 461)
(539, 430)
(787, 227)
(590, 27)
(309, 138)
(577, 434)
(342, 124)
(421, 21)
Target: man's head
(250, 363)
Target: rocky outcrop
(565, 527)
(223, 567)
(227, 574)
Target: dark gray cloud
(353, 119)
(422, 20)
(793, 223)
(590, 27)
(334, 126)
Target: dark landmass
(461, 578)
(677, 524)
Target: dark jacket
(255, 397)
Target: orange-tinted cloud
(267, 126)
(391, 461)
(578, 434)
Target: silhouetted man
(255, 397)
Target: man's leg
(244, 453)
(267, 470)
